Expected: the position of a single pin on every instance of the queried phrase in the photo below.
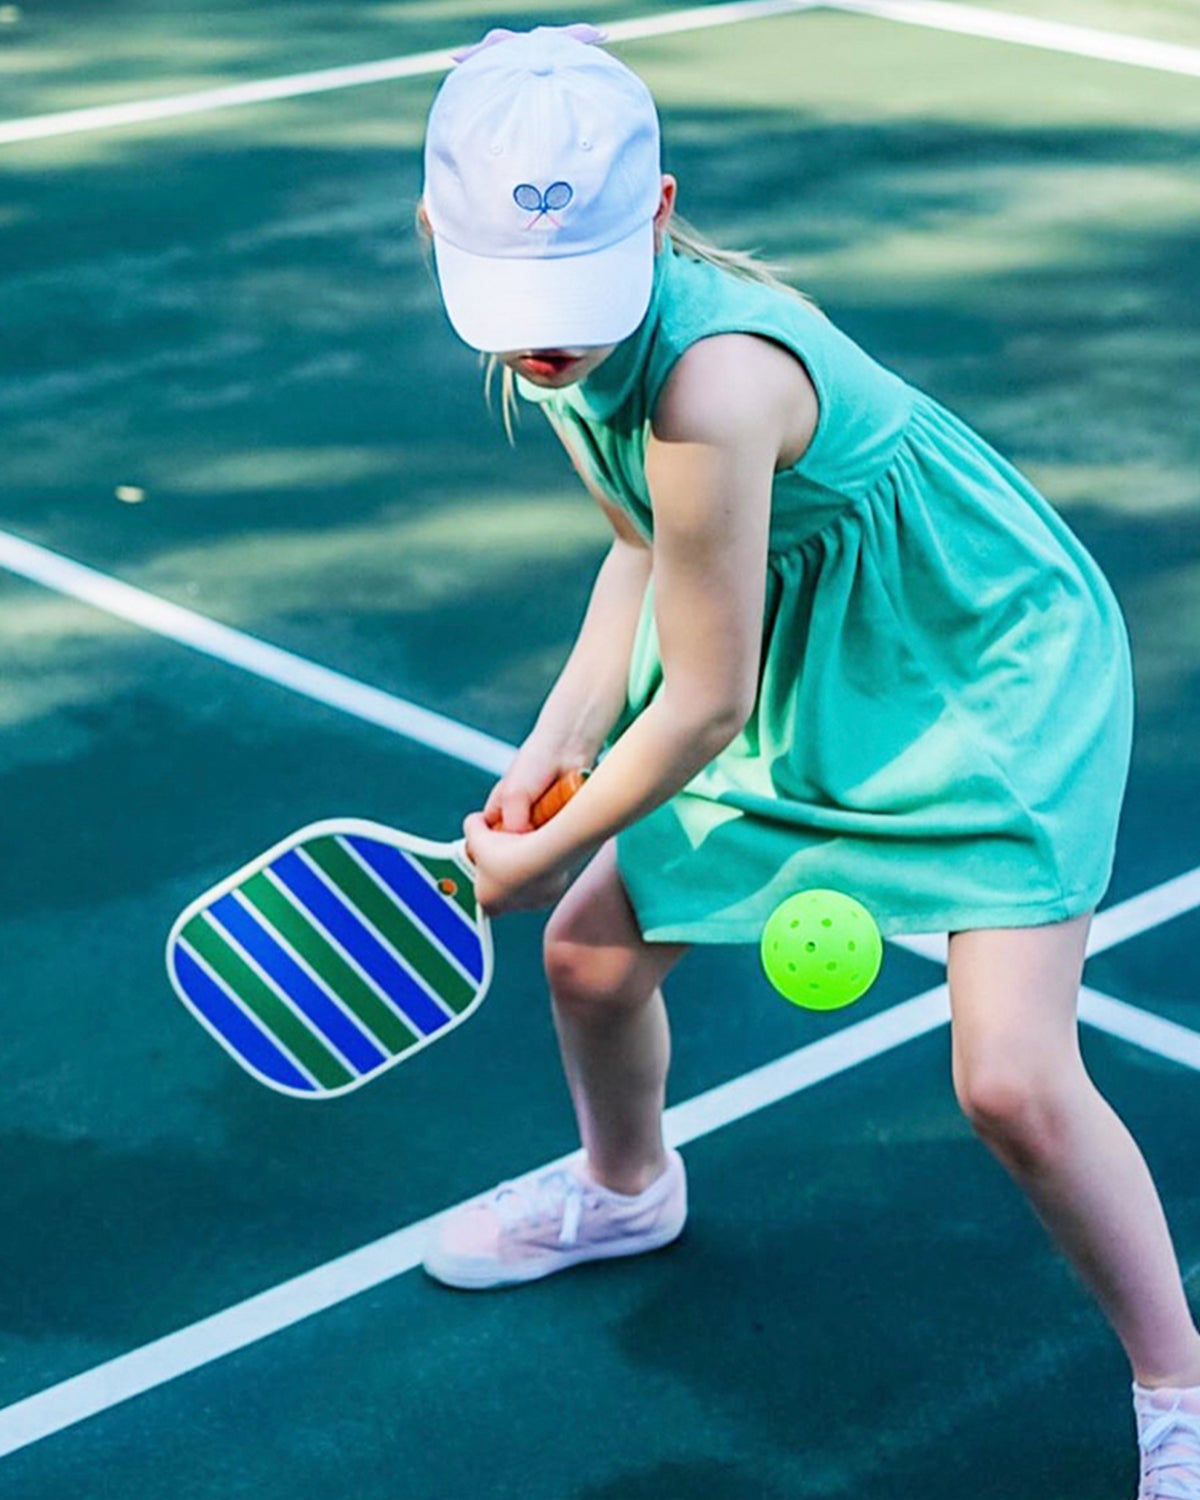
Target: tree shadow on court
(880, 1314)
(100, 1259)
(189, 327)
(139, 786)
(699, 1479)
(862, 1290)
(78, 52)
(251, 333)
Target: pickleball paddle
(341, 951)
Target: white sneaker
(1169, 1440)
(549, 1220)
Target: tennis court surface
(266, 557)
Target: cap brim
(501, 305)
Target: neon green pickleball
(821, 950)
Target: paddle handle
(551, 802)
(554, 800)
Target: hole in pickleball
(826, 921)
(831, 967)
(810, 947)
(852, 946)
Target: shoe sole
(463, 1275)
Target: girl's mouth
(547, 364)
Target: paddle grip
(554, 800)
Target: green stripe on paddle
(448, 870)
(389, 920)
(265, 1004)
(348, 985)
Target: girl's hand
(508, 876)
(530, 775)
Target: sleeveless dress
(944, 714)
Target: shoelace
(1170, 1447)
(544, 1199)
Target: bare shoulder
(737, 388)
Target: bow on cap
(580, 31)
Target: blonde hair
(688, 242)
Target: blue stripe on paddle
(310, 998)
(453, 930)
(343, 923)
(231, 1021)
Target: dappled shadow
(1022, 275)
(119, 1245)
(129, 785)
(886, 1314)
(252, 334)
(684, 1479)
(72, 55)
(112, 1242)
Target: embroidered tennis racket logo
(543, 205)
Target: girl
(836, 641)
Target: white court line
(141, 1370)
(1027, 31)
(1173, 898)
(799, 1070)
(1117, 924)
(386, 70)
(969, 20)
(1130, 1023)
(299, 675)
(107, 1385)
(245, 1323)
(206, 101)
(118, 1380)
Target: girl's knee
(1016, 1106)
(593, 951)
(585, 965)
(1018, 1072)
(995, 1099)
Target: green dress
(943, 722)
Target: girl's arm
(590, 692)
(734, 410)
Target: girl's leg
(1021, 1081)
(628, 1194)
(612, 1025)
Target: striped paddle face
(333, 956)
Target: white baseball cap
(542, 180)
